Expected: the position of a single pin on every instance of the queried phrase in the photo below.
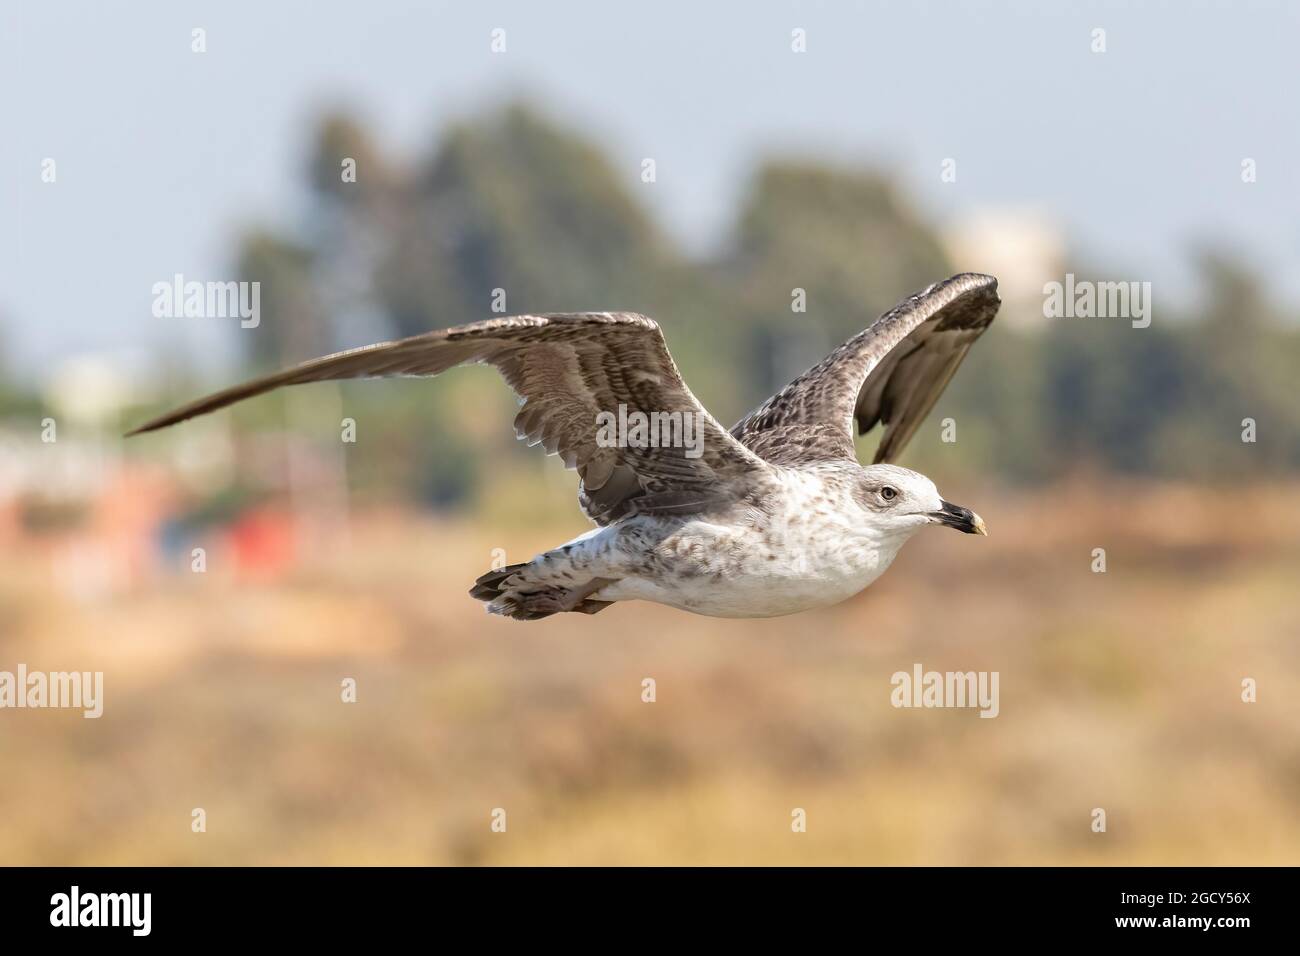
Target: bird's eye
(888, 493)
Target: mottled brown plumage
(567, 368)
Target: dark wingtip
(983, 278)
(151, 426)
(976, 280)
(178, 415)
(165, 421)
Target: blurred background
(504, 146)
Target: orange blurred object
(262, 543)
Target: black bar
(327, 905)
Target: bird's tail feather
(507, 592)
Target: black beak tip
(962, 519)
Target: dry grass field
(1119, 690)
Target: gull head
(899, 502)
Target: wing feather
(891, 373)
(568, 369)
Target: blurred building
(1023, 247)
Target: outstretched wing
(893, 373)
(569, 370)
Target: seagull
(773, 517)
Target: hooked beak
(963, 519)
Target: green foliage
(843, 237)
(515, 204)
(283, 269)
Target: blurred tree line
(511, 202)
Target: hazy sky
(163, 154)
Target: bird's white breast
(812, 548)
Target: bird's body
(786, 548)
(772, 517)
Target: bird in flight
(773, 517)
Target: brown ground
(1118, 690)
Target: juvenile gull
(772, 517)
